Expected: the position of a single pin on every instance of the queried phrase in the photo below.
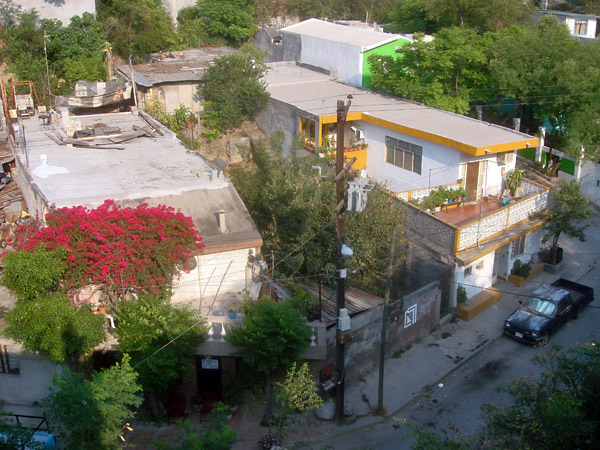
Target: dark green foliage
(569, 210)
(228, 21)
(31, 274)
(294, 209)
(74, 51)
(148, 324)
(137, 28)
(520, 270)
(13, 437)
(212, 435)
(92, 411)
(271, 337)
(234, 89)
(50, 325)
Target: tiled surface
(466, 213)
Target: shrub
(461, 294)
(521, 270)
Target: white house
(340, 49)
(580, 25)
(412, 149)
(62, 10)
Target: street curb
(377, 420)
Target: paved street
(457, 404)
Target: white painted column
(539, 149)
(579, 164)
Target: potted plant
(232, 312)
(461, 294)
(513, 180)
(519, 273)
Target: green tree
(30, 274)
(234, 89)
(569, 210)
(15, 437)
(447, 73)
(271, 337)
(159, 337)
(295, 211)
(51, 326)
(137, 28)
(230, 21)
(216, 434)
(92, 411)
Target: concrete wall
(363, 353)
(263, 42)
(346, 59)
(589, 176)
(481, 276)
(35, 201)
(173, 6)
(224, 272)
(62, 10)
(32, 382)
(280, 116)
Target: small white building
(62, 10)
(340, 49)
(580, 25)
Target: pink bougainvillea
(138, 248)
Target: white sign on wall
(208, 363)
(410, 316)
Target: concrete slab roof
(316, 94)
(353, 35)
(154, 170)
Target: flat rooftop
(128, 160)
(346, 34)
(316, 94)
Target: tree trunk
(268, 400)
(157, 409)
(554, 249)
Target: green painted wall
(388, 49)
(528, 153)
(567, 166)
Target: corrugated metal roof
(175, 67)
(356, 301)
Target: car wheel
(544, 340)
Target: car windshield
(544, 307)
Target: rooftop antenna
(47, 71)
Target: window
(468, 271)
(403, 154)
(9, 363)
(518, 247)
(580, 28)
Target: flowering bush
(138, 248)
(269, 441)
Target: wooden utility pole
(386, 309)
(340, 227)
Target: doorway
(472, 181)
(501, 262)
(209, 375)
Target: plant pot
(232, 315)
(102, 309)
(558, 256)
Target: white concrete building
(580, 25)
(340, 49)
(412, 149)
(62, 10)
